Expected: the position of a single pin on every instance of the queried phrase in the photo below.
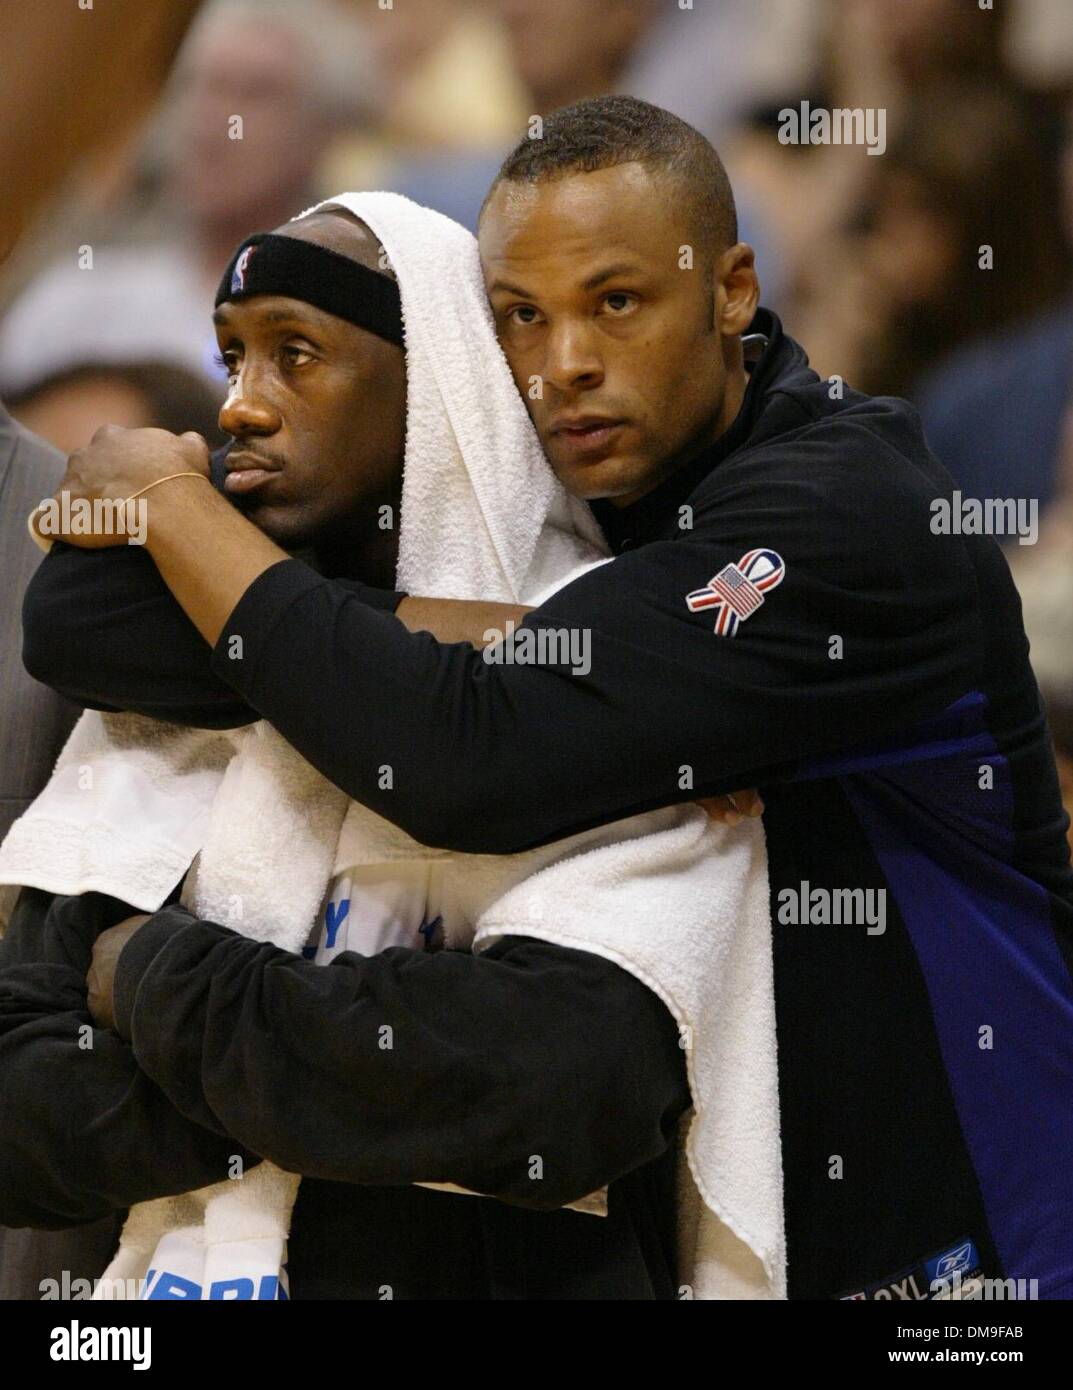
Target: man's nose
(248, 408)
(572, 359)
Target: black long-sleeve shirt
(532, 1073)
(839, 490)
(84, 1131)
(881, 697)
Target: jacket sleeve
(83, 1131)
(103, 629)
(623, 687)
(531, 1073)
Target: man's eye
(523, 314)
(619, 302)
(226, 360)
(296, 356)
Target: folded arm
(625, 700)
(83, 1131)
(405, 1066)
(103, 629)
(636, 702)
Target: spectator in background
(901, 283)
(259, 90)
(450, 103)
(712, 64)
(918, 42)
(68, 407)
(560, 51)
(446, 83)
(564, 51)
(995, 412)
(553, 52)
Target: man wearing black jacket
(527, 1051)
(790, 606)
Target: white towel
(685, 908)
(117, 771)
(681, 904)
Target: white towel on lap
(681, 904)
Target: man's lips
(247, 471)
(586, 435)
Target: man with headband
(316, 455)
(788, 608)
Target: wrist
(169, 505)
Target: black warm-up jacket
(880, 696)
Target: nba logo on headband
(238, 275)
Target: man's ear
(737, 289)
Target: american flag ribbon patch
(738, 590)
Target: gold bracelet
(164, 480)
(46, 545)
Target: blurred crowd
(938, 268)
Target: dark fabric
(284, 265)
(526, 1048)
(442, 1245)
(528, 1052)
(147, 656)
(84, 1132)
(883, 701)
(897, 1126)
(840, 489)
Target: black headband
(270, 264)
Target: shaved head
(337, 229)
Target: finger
(732, 808)
(720, 809)
(192, 437)
(748, 801)
(99, 999)
(93, 993)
